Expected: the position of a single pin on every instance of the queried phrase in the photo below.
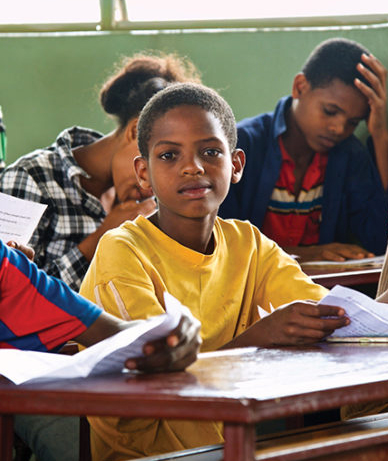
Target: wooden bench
(354, 440)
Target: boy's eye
(329, 112)
(167, 155)
(212, 152)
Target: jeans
(51, 438)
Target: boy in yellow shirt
(221, 269)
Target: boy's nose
(337, 128)
(193, 166)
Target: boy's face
(326, 116)
(190, 166)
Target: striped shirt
(291, 220)
(38, 312)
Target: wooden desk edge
(348, 278)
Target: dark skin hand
(295, 324)
(120, 213)
(175, 352)
(329, 252)
(28, 251)
(376, 95)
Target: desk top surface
(347, 277)
(242, 385)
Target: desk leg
(239, 442)
(6, 437)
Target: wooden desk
(348, 278)
(240, 387)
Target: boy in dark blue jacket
(309, 183)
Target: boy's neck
(193, 233)
(297, 148)
(295, 142)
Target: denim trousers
(51, 438)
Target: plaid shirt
(52, 176)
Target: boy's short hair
(332, 59)
(185, 94)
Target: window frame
(110, 23)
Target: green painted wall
(51, 81)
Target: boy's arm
(174, 352)
(328, 252)
(298, 323)
(377, 100)
(297, 319)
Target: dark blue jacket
(355, 205)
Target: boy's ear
(238, 163)
(141, 170)
(131, 130)
(300, 85)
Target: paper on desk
(368, 318)
(18, 218)
(263, 313)
(107, 356)
(375, 261)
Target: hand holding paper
(368, 318)
(18, 218)
(107, 356)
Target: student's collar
(282, 107)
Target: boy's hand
(128, 210)
(329, 252)
(122, 212)
(28, 251)
(377, 120)
(174, 353)
(376, 93)
(301, 322)
(298, 323)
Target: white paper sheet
(107, 356)
(368, 318)
(263, 313)
(375, 261)
(18, 218)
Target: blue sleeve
(38, 311)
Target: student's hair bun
(138, 78)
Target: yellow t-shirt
(135, 263)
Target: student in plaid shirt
(86, 179)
